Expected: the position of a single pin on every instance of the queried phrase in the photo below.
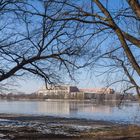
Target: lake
(127, 112)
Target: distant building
(72, 92)
(98, 90)
(58, 89)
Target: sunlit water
(127, 112)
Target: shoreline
(16, 126)
(32, 117)
(28, 117)
(54, 99)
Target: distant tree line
(78, 96)
(21, 96)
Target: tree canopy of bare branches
(114, 30)
(31, 42)
(49, 37)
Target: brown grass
(115, 133)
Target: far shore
(80, 100)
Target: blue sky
(86, 78)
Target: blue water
(128, 112)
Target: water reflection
(127, 112)
(54, 107)
(72, 107)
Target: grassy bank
(21, 127)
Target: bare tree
(110, 24)
(31, 42)
(50, 37)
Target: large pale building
(72, 92)
(58, 89)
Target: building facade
(98, 90)
(72, 92)
(58, 89)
